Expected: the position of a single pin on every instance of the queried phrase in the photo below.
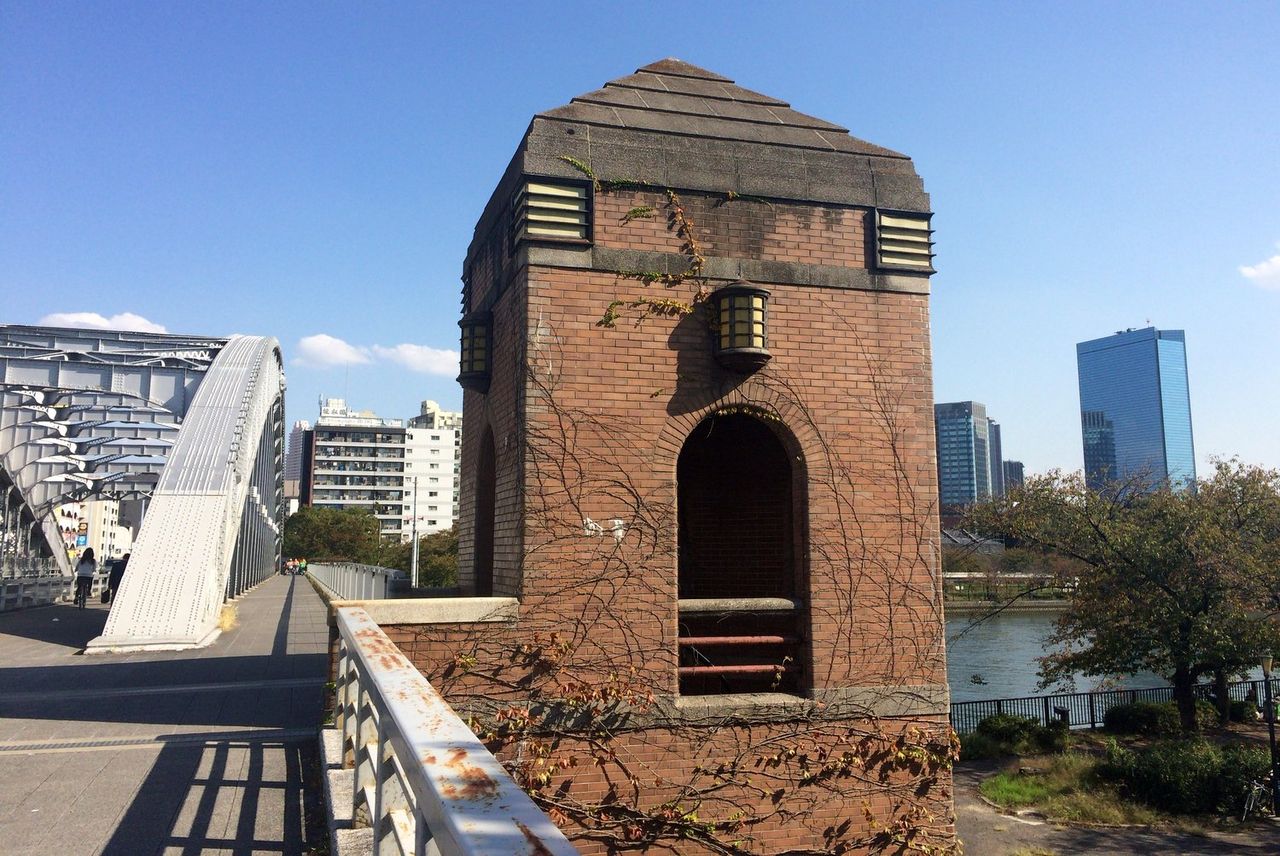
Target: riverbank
(979, 607)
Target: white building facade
(407, 477)
(438, 436)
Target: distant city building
(440, 425)
(1013, 474)
(1135, 407)
(293, 460)
(964, 452)
(432, 416)
(995, 458)
(95, 524)
(356, 459)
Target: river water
(997, 658)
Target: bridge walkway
(210, 751)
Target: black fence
(1086, 710)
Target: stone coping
(711, 711)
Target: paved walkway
(987, 832)
(200, 752)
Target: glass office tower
(1135, 407)
(964, 452)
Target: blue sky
(314, 170)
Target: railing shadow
(219, 796)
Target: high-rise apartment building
(1135, 408)
(995, 459)
(355, 459)
(964, 452)
(293, 459)
(433, 427)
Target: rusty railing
(423, 782)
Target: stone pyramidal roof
(672, 124)
(674, 97)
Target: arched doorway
(738, 568)
(486, 495)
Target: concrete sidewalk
(206, 751)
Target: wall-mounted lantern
(742, 331)
(477, 333)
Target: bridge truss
(193, 426)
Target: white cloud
(1264, 274)
(420, 358)
(322, 351)
(94, 321)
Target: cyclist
(85, 569)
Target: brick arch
(794, 428)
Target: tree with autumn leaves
(1183, 583)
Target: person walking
(85, 569)
(117, 573)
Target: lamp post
(1266, 662)
(413, 571)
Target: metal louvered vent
(553, 210)
(904, 241)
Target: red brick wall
(589, 422)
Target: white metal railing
(26, 591)
(352, 581)
(27, 566)
(422, 780)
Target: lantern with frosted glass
(477, 332)
(742, 329)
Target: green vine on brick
(662, 306)
(678, 222)
(642, 212)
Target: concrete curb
(344, 840)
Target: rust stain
(536, 847)
(476, 783)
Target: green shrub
(1004, 734)
(1118, 765)
(1052, 739)
(1206, 714)
(1243, 711)
(1156, 719)
(977, 747)
(1142, 717)
(1179, 776)
(1241, 765)
(1008, 728)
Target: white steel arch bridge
(194, 426)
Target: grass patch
(1067, 787)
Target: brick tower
(699, 456)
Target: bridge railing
(1081, 710)
(16, 567)
(353, 581)
(423, 781)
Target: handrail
(425, 782)
(354, 581)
